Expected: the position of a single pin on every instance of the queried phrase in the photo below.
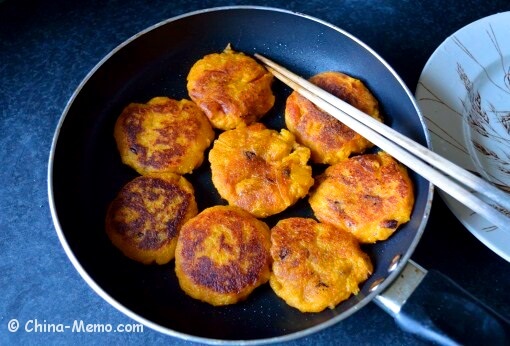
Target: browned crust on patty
(329, 140)
(369, 195)
(163, 135)
(222, 255)
(315, 265)
(145, 217)
(231, 88)
(259, 169)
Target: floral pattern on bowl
(464, 95)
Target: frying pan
(85, 170)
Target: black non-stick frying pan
(85, 170)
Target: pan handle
(433, 307)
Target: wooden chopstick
(442, 173)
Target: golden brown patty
(231, 88)
(144, 220)
(315, 265)
(329, 140)
(163, 135)
(222, 255)
(368, 195)
(259, 169)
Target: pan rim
(188, 337)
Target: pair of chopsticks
(474, 192)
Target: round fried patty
(369, 195)
(329, 140)
(145, 217)
(315, 265)
(164, 135)
(231, 88)
(259, 169)
(222, 255)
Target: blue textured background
(48, 47)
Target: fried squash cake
(369, 195)
(315, 265)
(329, 140)
(222, 255)
(145, 218)
(231, 88)
(163, 135)
(259, 169)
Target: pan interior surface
(87, 171)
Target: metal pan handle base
(433, 307)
